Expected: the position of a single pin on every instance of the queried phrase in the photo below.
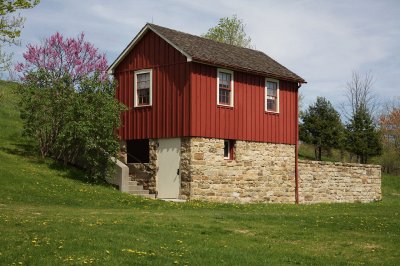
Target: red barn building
(207, 120)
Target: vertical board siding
(247, 120)
(184, 100)
(168, 116)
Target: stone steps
(137, 190)
(149, 196)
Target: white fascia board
(132, 44)
(127, 49)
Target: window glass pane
(271, 88)
(143, 88)
(271, 104)
(143, 80)
(224, 80)
(272, 95)
(143, 96)
(226, 148)
(224, 96)
(272, 92)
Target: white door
(168, 177)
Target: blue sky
(322, 41)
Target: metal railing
(145, 165)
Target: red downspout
(296, 168)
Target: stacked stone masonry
(338, 182)
(261, 172)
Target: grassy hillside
(50, 216)
(307, 152)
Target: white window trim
(143, 71)
(232, 87)
(266, 95)
(229, 149)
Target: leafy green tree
(10, 26)
(71, 113)
(390, 127)
(43, 106)
(389, 124)
(230, 31)
(362, 135)
(321, 126)
(74, 126)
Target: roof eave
(299, 80)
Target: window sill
(272, 112)
(225, 106)
(142, 106)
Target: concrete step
(142, 193)
(135, 187)
(150, 196)
(132, 183)
(139, 192)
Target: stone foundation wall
(338, 182)
(185, 168)
(260, 172)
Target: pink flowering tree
(60, 56)
(68, 104)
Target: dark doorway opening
(138, 151)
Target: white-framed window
(143, 81)
(225, 88)
(272, 95)
(229, 149)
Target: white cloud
(323, 41)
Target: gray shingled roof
(202, 50)
(221, 54)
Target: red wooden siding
(169, 114)
(184, 100)
(247, 120)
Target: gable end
(137, 38)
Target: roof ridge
(203, 50)
(218, 42)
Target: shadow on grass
(29, 151)
(75, 173)
(21, 149)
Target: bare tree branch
(359, 93)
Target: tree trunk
(365, 159)
(341, 155)
(319, 153)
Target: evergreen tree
(362, 135)
(321, 126)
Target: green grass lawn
(49, 216)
